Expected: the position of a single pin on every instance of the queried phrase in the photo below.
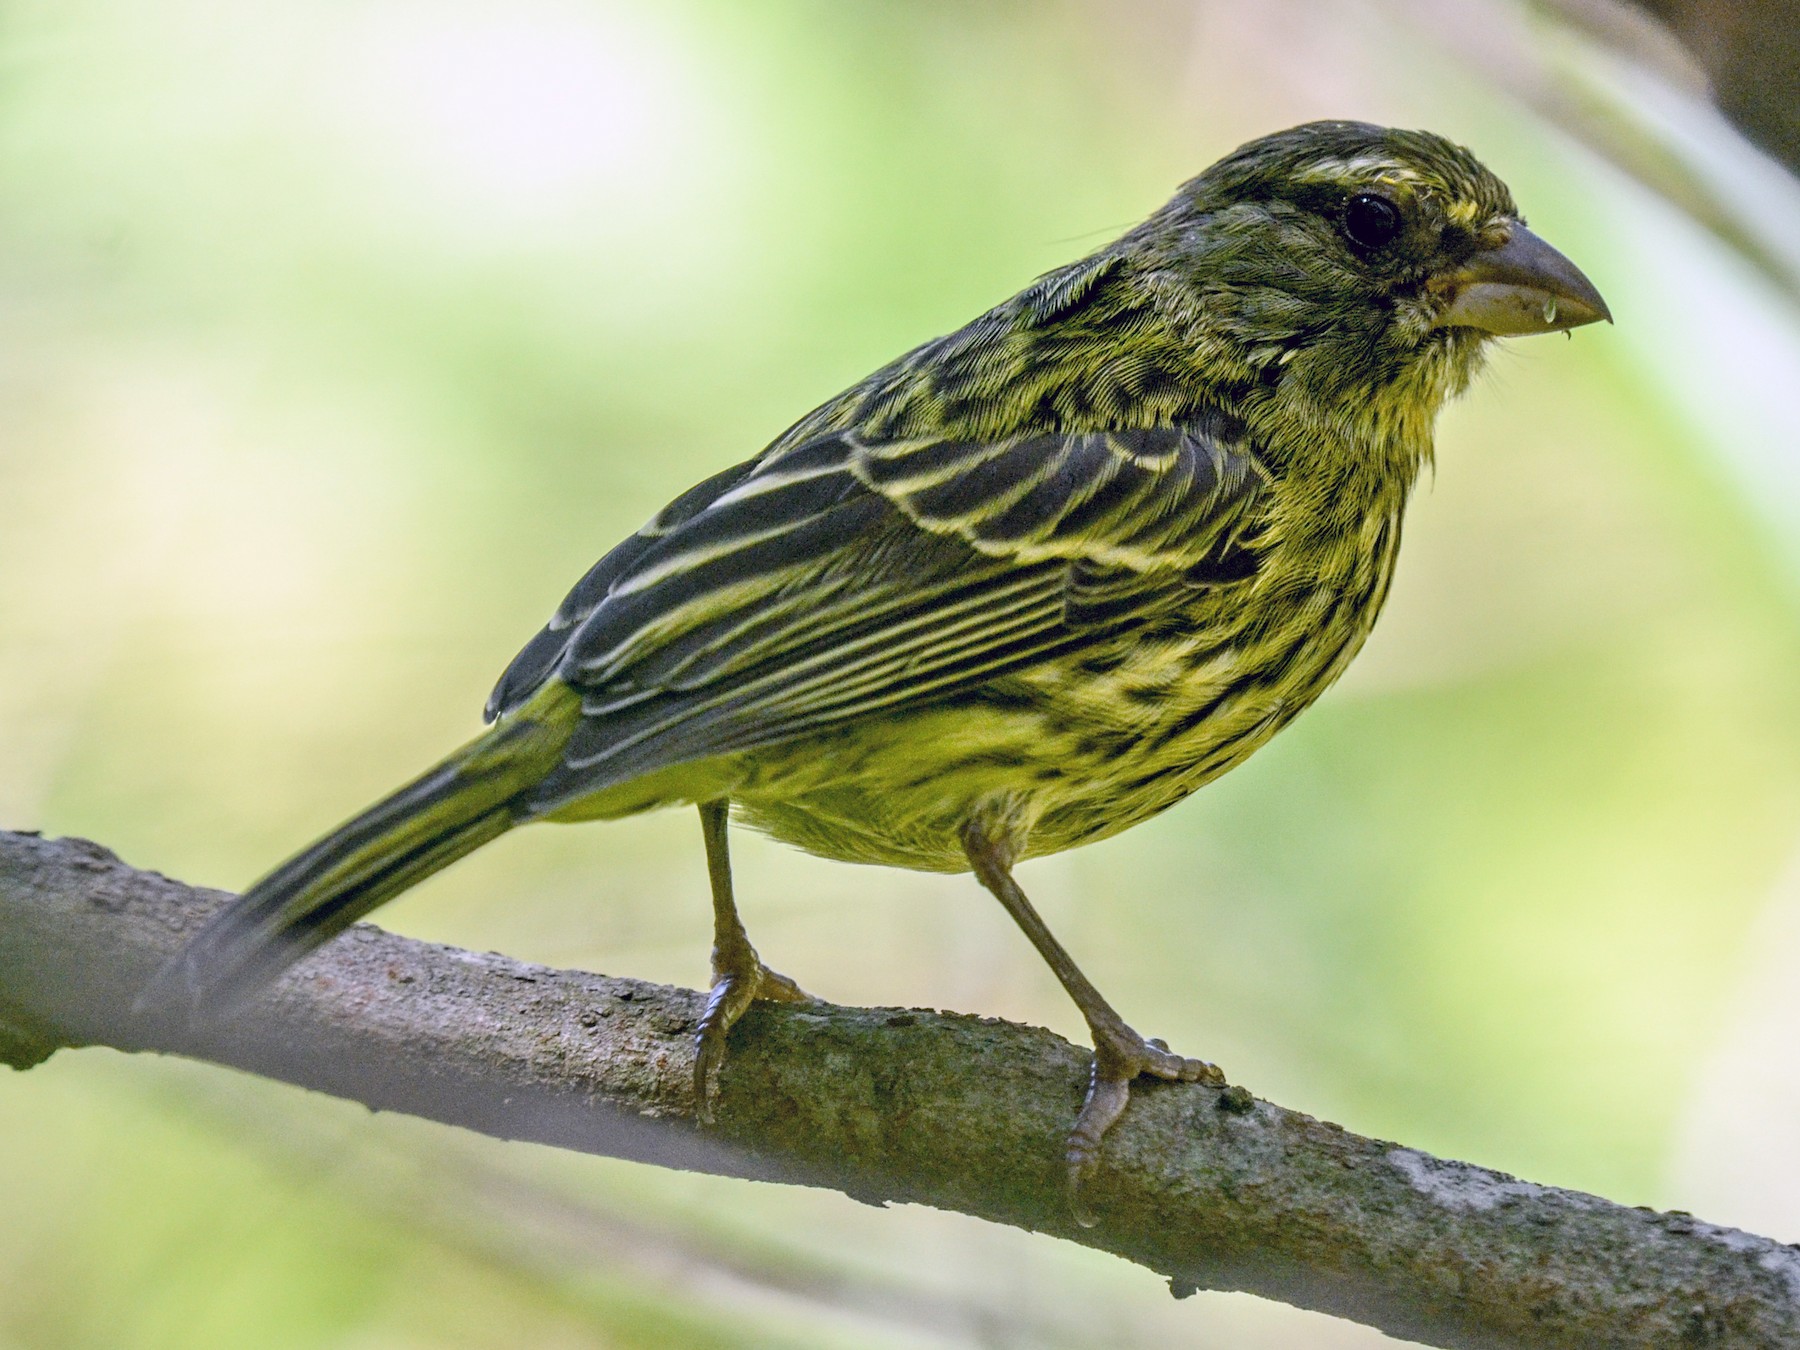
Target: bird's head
(1358, 257)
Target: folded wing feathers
(1139, 498)
(840, 577)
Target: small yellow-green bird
(1019, 589)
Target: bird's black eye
(1371, 220)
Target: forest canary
(1027, 585)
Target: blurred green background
(337, 339)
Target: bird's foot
(1120, 1055)
(736, 985)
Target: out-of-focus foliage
(335, 341)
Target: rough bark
(1210, 1187)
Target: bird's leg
(1120, 1054)
(739, 977)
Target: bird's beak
(1521, 286)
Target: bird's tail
(446, 812)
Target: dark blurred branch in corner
(1750, 51)
(1211, 1188)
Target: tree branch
(1210, 1187)
(1750, 50)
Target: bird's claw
(733, 991)
(1120, 1055)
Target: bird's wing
(536, 661)
(841, 577)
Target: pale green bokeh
(337, 340)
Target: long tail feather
(447, 812)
